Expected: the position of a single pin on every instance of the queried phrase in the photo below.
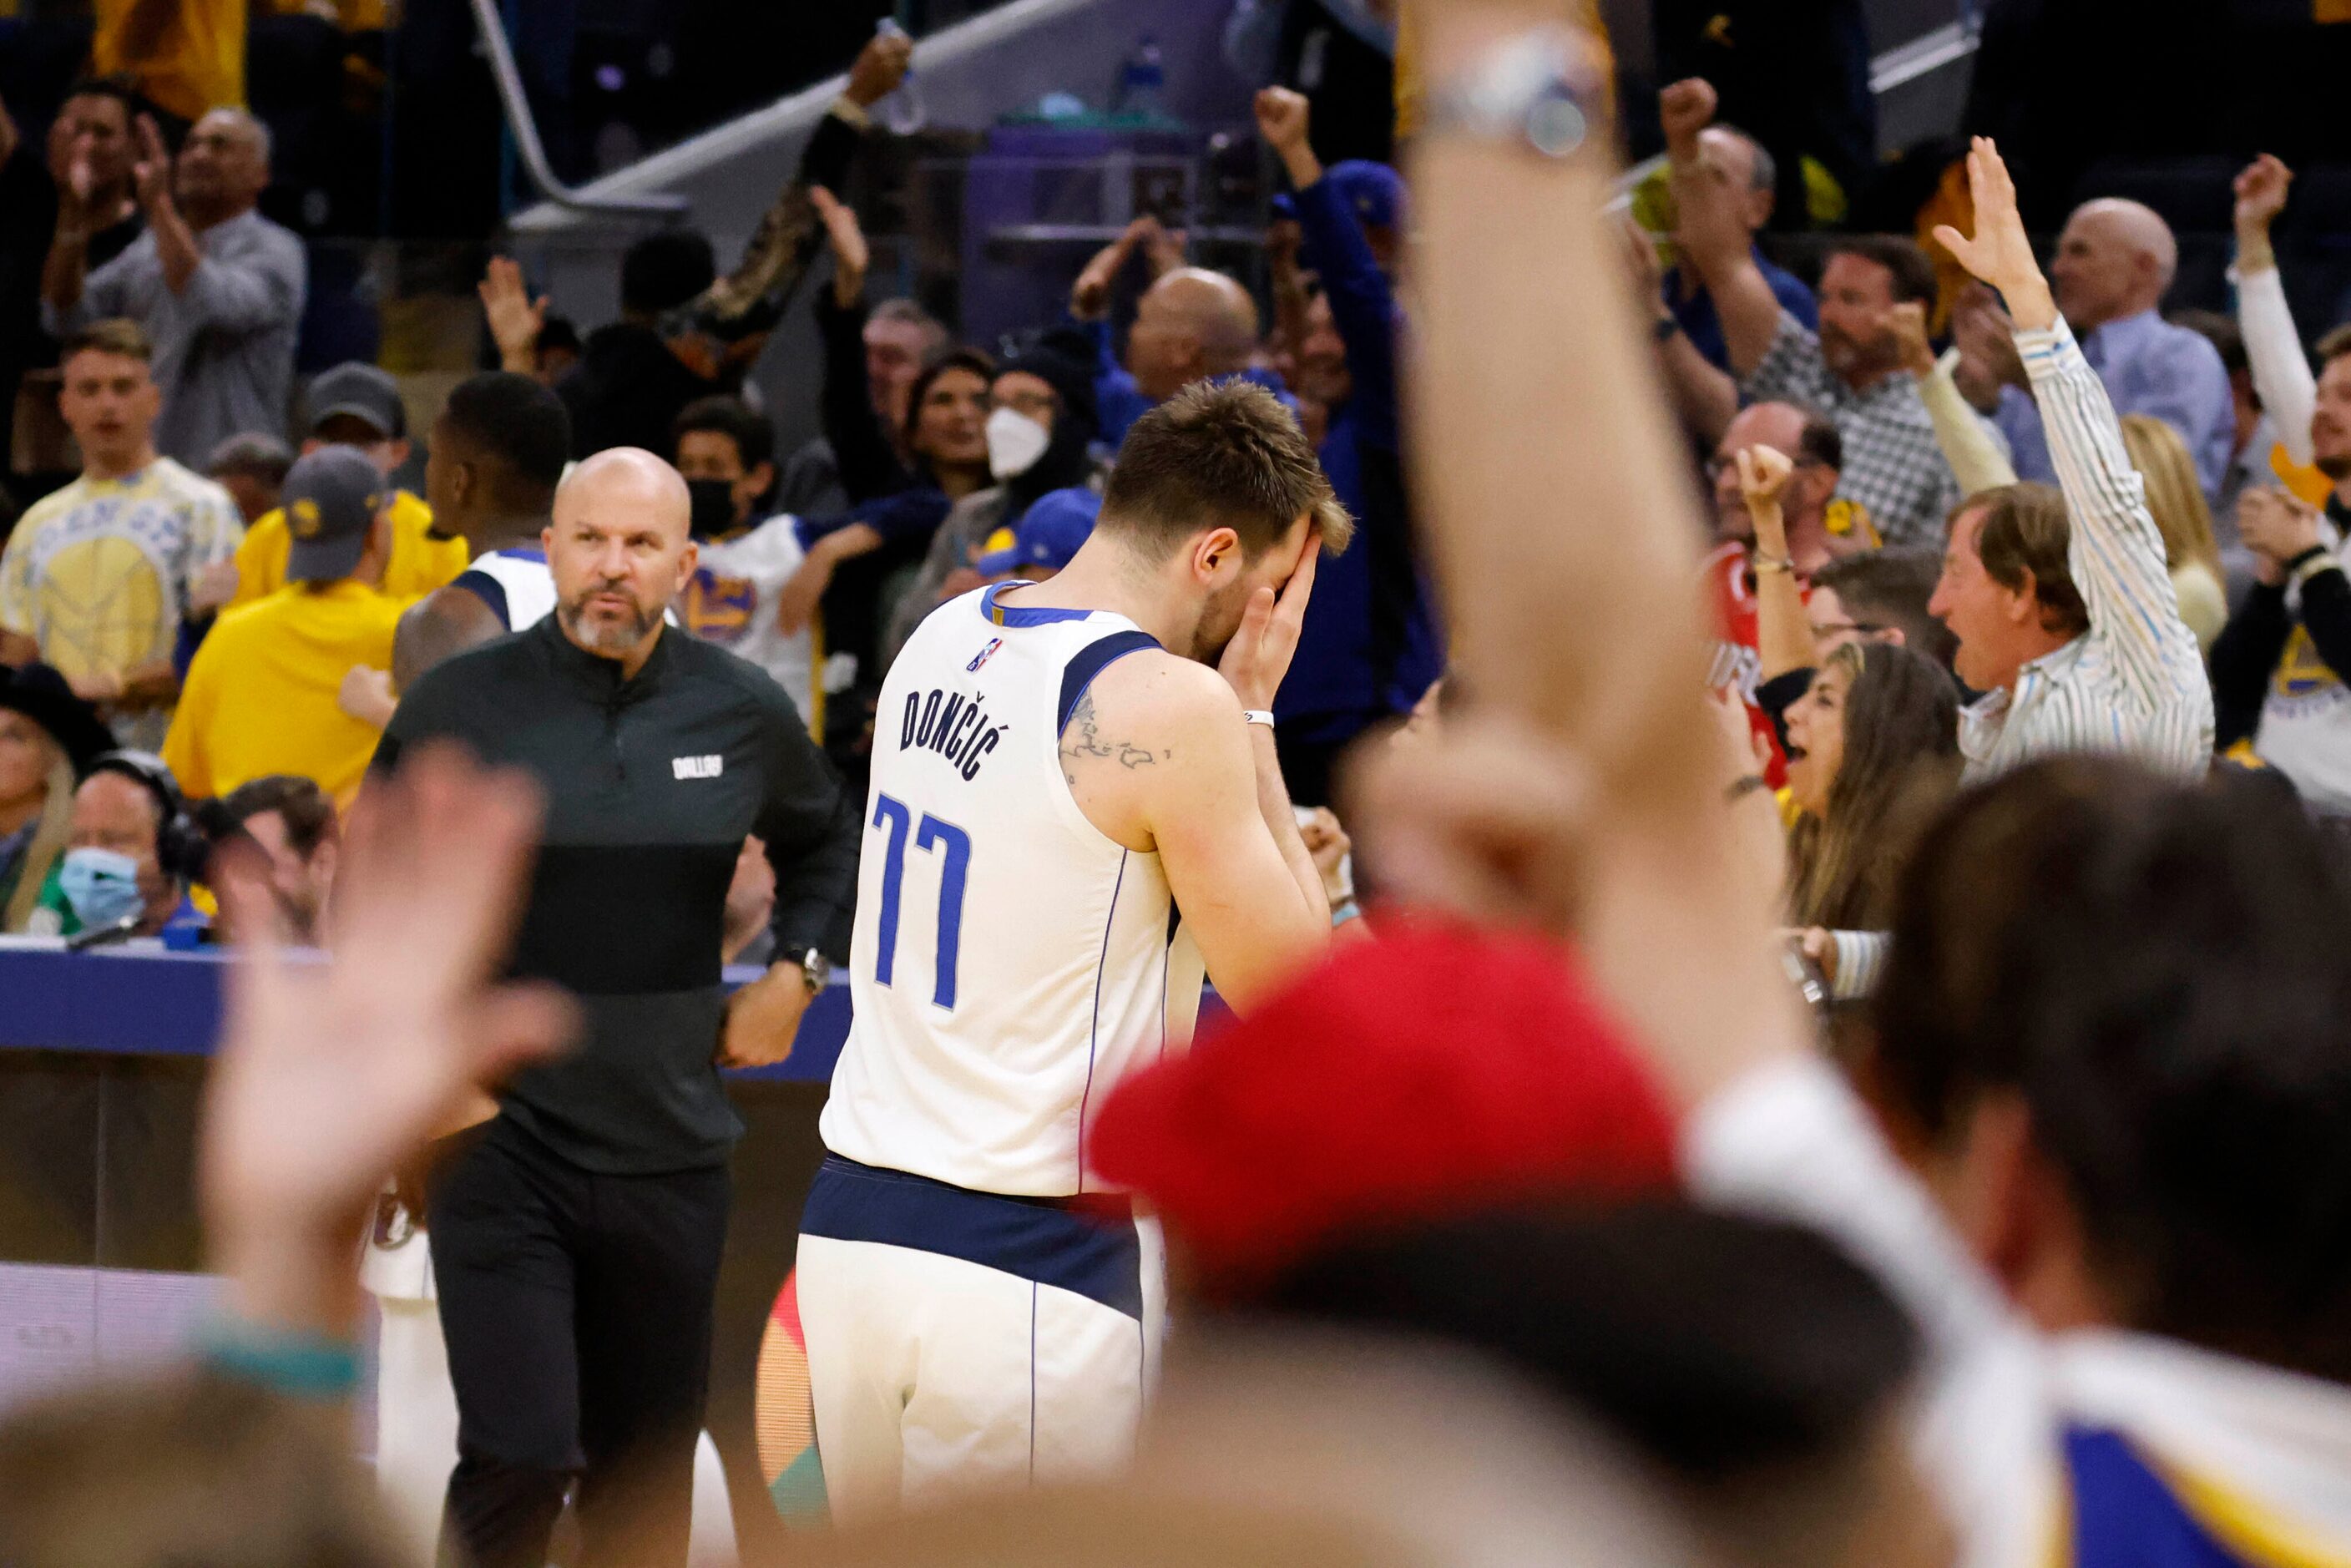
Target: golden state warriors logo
(785, 1415)
(2301, 673)
(302, 519)
(720, 609)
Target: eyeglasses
(1825, 630)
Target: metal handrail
(524, 128)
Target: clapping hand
(2000, 252)
(151, 174)
(2277, 527)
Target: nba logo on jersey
(982, 657)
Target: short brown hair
(2335, 345)
(115, 335)
(1913, 275)
(2026, 536)
(307, 811)
(1220, 454)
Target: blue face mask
(102, 886)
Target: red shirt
(1728, 581)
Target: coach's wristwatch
(817, 970)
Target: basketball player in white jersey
(1061, 772)
(496, 455)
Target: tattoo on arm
(1083, 738)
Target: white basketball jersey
(1011, 963)
(526, 584)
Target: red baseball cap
(1434, 1068)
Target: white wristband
(1257, 716)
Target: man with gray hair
(2114, 261)
(1686, 109)
(218, 287)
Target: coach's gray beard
(612, 638)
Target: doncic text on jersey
(952, 724)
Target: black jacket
(650, 785)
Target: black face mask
(714, 506)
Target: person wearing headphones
(129, 855)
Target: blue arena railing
(155, 1002)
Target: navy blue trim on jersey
(531, 553)
(1090, 661)
(486, 589)
(1045, 1241)
(1013, 615)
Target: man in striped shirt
(2062, 605)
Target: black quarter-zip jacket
(652, 783)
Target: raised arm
(1591, 799)
(1783, 636)
(1363, 304)
(863, 452)
(1713, 237)
(1706, 398)
(784, 246)
(2273, 347)
(1584, 790)
(1976, 459)
(514, 318)
(2116, 556)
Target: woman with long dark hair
(1872, 751)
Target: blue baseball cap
(1373, 191)
(1049, 533)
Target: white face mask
(1015, 443)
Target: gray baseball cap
(331, 499)
(358, 390)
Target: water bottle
(1142, 84)
(903, 111)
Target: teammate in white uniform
(1060, 771)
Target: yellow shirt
(188, 55)
(420, 563)
(260, 697)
